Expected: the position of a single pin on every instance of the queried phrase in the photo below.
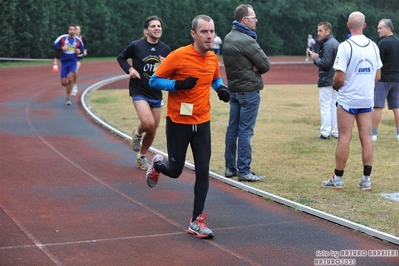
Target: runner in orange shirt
(188, 74)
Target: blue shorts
(152, 102)
(68, 67)
(355, 111)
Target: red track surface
(71, 194)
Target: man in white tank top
(358, 67)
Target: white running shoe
(374, 138)
(152, 175)
(198, 227)
(74, 90)
(333, 184)
(135, 142)
(142, 162)
(365, 183)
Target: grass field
(286, 149)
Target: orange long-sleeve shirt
(186, 62)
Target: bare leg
(71, 78)
(377, 113)
(345, 125)
(363, 122)
(149, 121)
(396, 114)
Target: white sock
(337, 178)
(137, 132)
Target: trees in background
(28, 28)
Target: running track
(71, 194)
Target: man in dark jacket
(327, 96)
(245, 63)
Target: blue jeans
(244, 108)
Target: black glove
(223, 93)
(186, 84)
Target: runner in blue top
(70, 47)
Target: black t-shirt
(144, 56)
(389, 53)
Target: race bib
(186, 109)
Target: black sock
(339, 172)
(367, 170)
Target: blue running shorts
(68, 67)
(152, 102)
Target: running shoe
(152, 175)
(365, 183)
(251, 177)
(333, 184)
(68, 102)
(74, 90)
(135, 143)
(142, 162)
(374, 138)
(199, 228)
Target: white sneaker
(333, 184)
(142, 162)
(374, 138)
(251, 177)
(135, 143)
(397, 137)
(152, 176)
(365, 183)
(74, 90)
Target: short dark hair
(326, 25)
(194, 23)
(387, 23)
(149, 19)
(241, 11)
(71, 25)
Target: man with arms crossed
(327, 96)
(358, 66)
(146, 54)
(245, 63)
(388, 86)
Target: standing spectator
(245, 63)
(318, 43)
(327, 96)
(310, 46)
(80, 58)
(217, 41)
(388, 87)
(358, 66)
(69, 46)
(187, 74)
(146, 53)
